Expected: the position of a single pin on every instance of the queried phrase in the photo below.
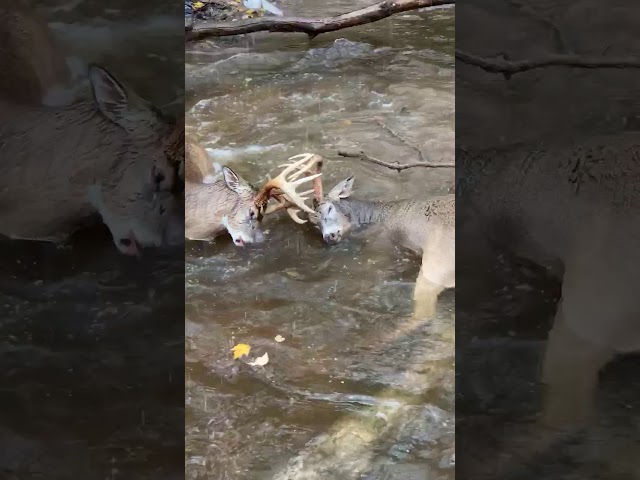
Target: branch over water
(508, 67)
(310, 26)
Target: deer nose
(331, 237)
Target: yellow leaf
(241, 350)
(260, 361)
(279, 338)
(250, 11)
(198, 4)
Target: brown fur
(32, 64)
(196, 160)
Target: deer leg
(570, 373)
(437, 273)
(425, 297)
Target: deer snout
(331, 237)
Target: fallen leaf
(260, 361)
(279, 338)
(198, 4)
(241, 350)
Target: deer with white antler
(426, 227)
(232, 205)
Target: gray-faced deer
(232, 205)
(573, 208)
(426, 227)
(111, 154)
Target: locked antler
(283, 190)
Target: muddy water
(84, 330)
(356, 389)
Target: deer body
(574, 208)
(427, 227)
(107, 156)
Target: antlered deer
(231, 204)
(110, 154)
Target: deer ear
(110, 96)
(119, 104)
(231, 179)
(343, 189)
(235, 182)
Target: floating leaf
(241, 350)
(279, 338)
(260, 361)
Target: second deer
(426, 227)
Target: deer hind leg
(437, 273)
(570, 372)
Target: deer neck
(364, 212)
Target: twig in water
(402, 139)
(395, 165)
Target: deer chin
(133, 232)
(128, 245)
(240, 238)
(130, 239)
(332, 238)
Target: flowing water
(85, 330)
(356, 389)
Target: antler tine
(292, 166)
(288, 187)
(316, 159)
(293, 212)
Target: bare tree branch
(310, 26)
(395, 134)
(395, 165)
(508, 68)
